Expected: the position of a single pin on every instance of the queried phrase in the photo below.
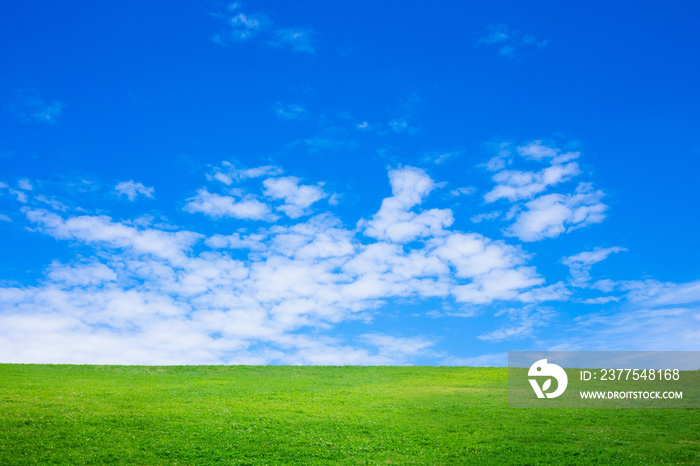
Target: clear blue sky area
(347, 182)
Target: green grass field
(314, 415)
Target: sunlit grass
(314, 415)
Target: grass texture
(191, 415)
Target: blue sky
(309, 183)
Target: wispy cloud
(228, 174)
(103, 231)
(655, 293)
(442, 157)
(648, 329)
(580, 264)
(398, 348)
(523, 323)
(295, 39)
(463, 191)
(289, 111)
(32, 108)
(244, 26)
(509, 42)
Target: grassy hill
(53, 414)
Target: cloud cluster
(273, 283)
(239, 203)
(538, 215)
(150, 295)
(244, 26)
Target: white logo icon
(542, 369)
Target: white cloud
(101, 230)
(472, 254)
(81, 274)
(395, 221)
(156, 296)
(298, 198)
(605, 286)
(498, 284)
(20, 195)
(25, 185)
(537, 151)
(5, 218)
(409, 186)
(53, 203)
(131, 189)
(555, 292)
(500, 161)
(551, 215)
(218, 206)
(580, 264)
(548, 215)
(515, 185)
